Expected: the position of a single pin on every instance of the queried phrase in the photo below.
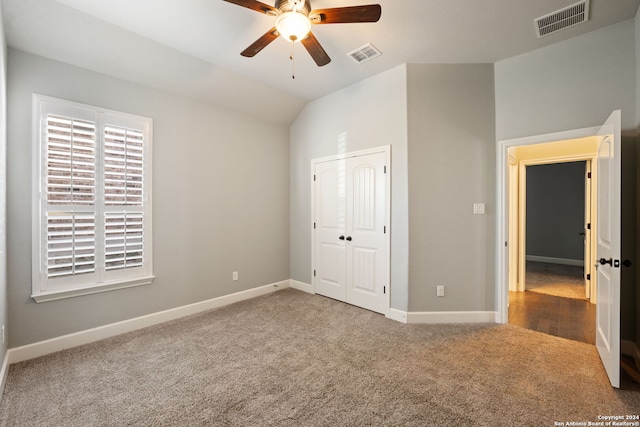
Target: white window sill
(102, 287)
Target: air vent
(364, 53)
(569, 16)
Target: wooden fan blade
(315, 50)
(345, 15)
(256, 5)
(261, 43)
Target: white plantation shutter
(71, 161)
(92, 224)
(123, 161)
(123, 240)
(71, 181)
(123, 187)
(70, 244)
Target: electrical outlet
(235, 275)
(478, 208)
(440, 291)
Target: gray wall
(555, 210)
(4, 315)
(569, 85)
(451, 167)
(371, 114)
(220, 200)
(576, 84)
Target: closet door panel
(366, 260)
(329, 206)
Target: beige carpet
(554, 279)
(293, 359)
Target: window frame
(45, 288)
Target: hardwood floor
(569, 318)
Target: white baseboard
(422, 317)
(451, 317)
(301, 286)
(551, 260)
(31, 351)
(397, 315)
(435, 317)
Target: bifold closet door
(351, 260)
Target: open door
(608, 247)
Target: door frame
(502, 207)
(386, 149)
(589, 208)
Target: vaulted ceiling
(192, 47)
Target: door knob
(606, 261)
(582, 233)
(341, 237)
(627, 263)
(348, 238)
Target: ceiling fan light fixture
(293, 26)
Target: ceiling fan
(294, 20)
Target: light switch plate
(478, 208)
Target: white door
(367, 266)
(351, 260)
(608, 247)
(329, 228)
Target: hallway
(569, 318)
(554, 303)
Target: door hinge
(314, 273)
(384, 289)
(314, 225)
(589, 226)
(314, 177)
(385, 169)
(588, 174)
(588, 277)
(384, 229)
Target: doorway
(558, 238)
(607, 233)
(553, 235)
(572, 230)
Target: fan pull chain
(293, 61)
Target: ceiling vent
(571, 15)
(364, 53)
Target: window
(91, 200)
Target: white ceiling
(192, 47)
